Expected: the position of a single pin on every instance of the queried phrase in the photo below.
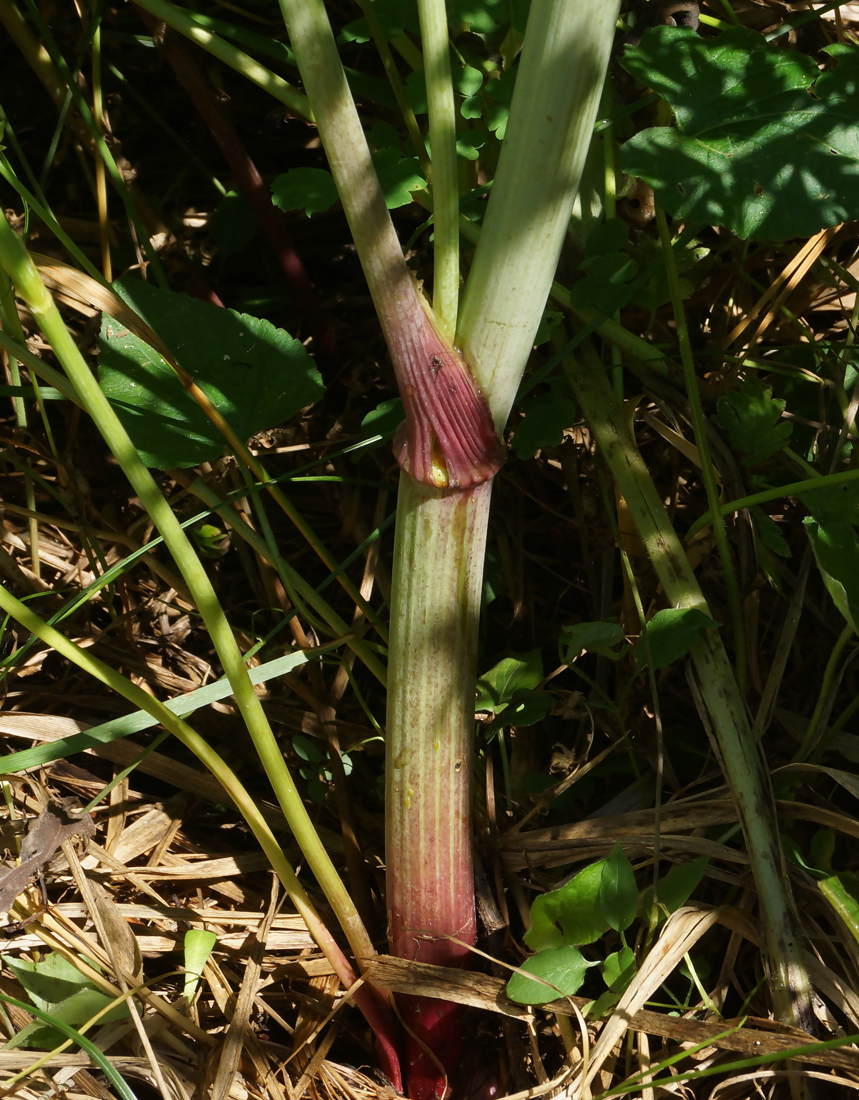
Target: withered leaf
(58, 822)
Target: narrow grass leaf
(129, 724)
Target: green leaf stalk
(448, 439)
(716, 691)
(448, 450)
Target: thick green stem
(441, 535)
(720, 703)
(558, 88)
(435, 600)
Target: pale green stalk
(634, 347)
(558, 88)
(445, 173)
(391, 283)
(440, 539)
(19, 265)
(183, 22)
(432, 670)
(717, 695)
(441, 535)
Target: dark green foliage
(765, 144)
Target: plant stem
(555, 101)
(445, 174)
(441, 535)
(719, 701)
(449, 440)
(435, 601)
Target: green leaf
(571, 914)
(842, 893)
(836, 504)
(671, 634)
(618, 892)
(470, 142)
(312, 190)
(480, 16)
(525, 710)
(836, 552)
(50, 981)
(306, 748)
(472, 107)
(498, 686)
(765, 144)
(398, 176)
(233, 224)
(467, 81)
(619, 969)
(255, 375)
(605, 286)
(104, 1064)
(546, 418)
(395, 16)
(57, 987)
(563, 968)
(591, 638)
(74, 1011)
(678, 885)
(384, 419)
(607, 270)
(198, 946)
(752, 419)
(769, 533)
(500, 91)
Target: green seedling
(508, 692)
(603, 895)
(197, 945)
